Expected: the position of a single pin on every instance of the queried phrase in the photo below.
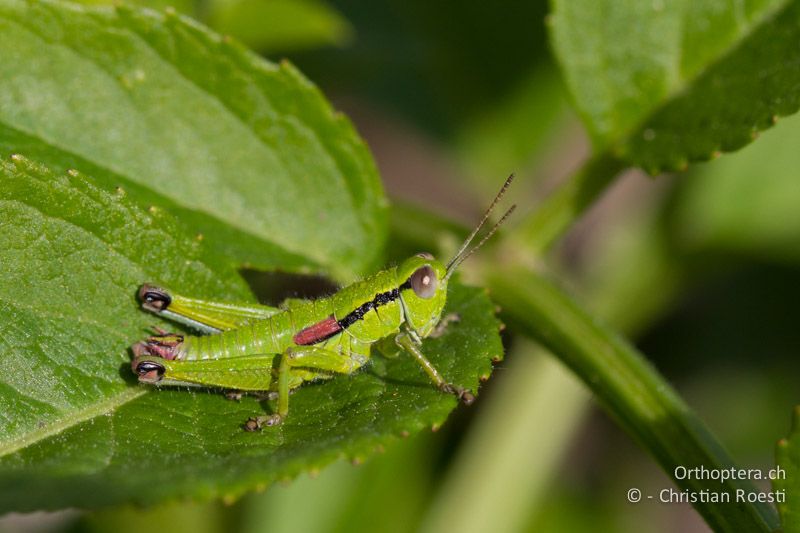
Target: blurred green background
(702, 269)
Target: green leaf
(186, 7)
(787, 457)
(268, 26)
(76, 428)
(279, 25)
(746, 203)
(516, 132)
(665, 83)
(249, 153)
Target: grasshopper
(274, 350)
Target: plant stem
(565, 205)
(631, 390)
(498, 491)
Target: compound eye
(154, 298)
(150, 371)
(424, 282)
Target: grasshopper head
(423, 282)
(423, 279)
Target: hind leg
(204, 315)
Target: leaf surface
(248, 152)
(75, 427)
(664, 83)
(194, 158)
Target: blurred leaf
(512, 135)
(390, 489)
(185, 7)
(664, 83)
(271, 26)
(175, 517)
(787, 456)
(746, 203)
(77, 432)
(191, 122)
(634, 253)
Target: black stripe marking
(380, 299)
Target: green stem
(500, 490)
(565, 205)
(632, 391)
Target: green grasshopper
(256, 348)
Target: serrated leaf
(787, 457)
(665, 83)
(186, 120)
(75, 428)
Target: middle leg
(304, 357)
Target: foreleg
(407, 343)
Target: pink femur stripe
(317, 332)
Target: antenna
(462, 254)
